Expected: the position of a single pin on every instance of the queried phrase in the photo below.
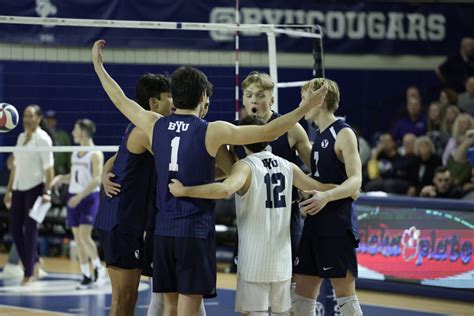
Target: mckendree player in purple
(185, 148)
(83, 200)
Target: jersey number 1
(173, 166)
(277, 179)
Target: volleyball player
(185, 148)
(258, 99)
(135, 214)
(225, 161)
(83, 201)
(122, 219)
(264, 183)
(330, 233)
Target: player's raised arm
(143, 119)
(233, 183)
(220, 132)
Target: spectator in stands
(466, 99)
(454, 71)
(434, 128)
(468, 187)
(443, 186)
(434, 117)
(426, 162)
(386, 168)
(62, 161)
(409, 160)
(447, 97)
(412, 121)
(408, 145)
(458, 163)
(449, 118)
(29, 179)
(364, 148)
(413, 92)
(463, 123)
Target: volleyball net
(47, 61)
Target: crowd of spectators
(426, 152)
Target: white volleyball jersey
(81, 172)
(263, 220)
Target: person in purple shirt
(413, 121)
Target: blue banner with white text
(350, 28)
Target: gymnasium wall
(369, 98)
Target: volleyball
(8, 117)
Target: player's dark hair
(150, 86)
(209, 89)
(86, 125)
(188, 85)
(253, 120)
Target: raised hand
(312, 98)
(97, 52)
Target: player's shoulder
(346, 137)
(217, 127)
(346, 131)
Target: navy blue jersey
(179, 146)
(279, 147)
(136, 175)
(337, 216)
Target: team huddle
(156, 217)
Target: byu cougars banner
(365, 28)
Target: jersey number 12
(277, 181)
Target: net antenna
(271, 31)
(317, 53)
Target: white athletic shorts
(259, 296)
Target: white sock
(202, 310)
(156, 306)
(96, 263)
(85, 269)
(304, 306)
(349, 306)
(292, 295)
